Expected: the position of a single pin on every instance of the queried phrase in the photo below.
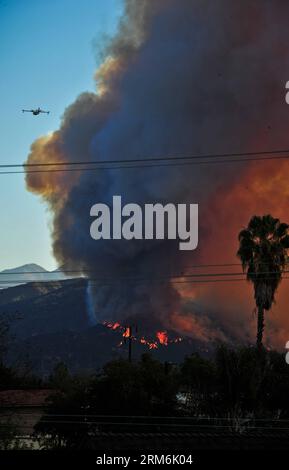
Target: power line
(172, 278)
(207, 281)
(139, 165)
(79, 271)
(176, 276)
(223, 265)
(204, 281)
(149, 159)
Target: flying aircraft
(35, 112)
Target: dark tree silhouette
(263, 253)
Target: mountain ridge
(29, 272)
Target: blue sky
(48, 55)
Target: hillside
(49, 324)
(43, 308)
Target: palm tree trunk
(260, 327)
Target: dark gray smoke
(181, 77)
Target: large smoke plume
(180, 77)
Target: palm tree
(263, 253)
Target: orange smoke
(142, 106)
(263, 188)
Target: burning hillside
(161, 338)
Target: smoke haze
(179, 78)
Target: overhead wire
(167, 161)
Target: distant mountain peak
(26, 268)
(30, 272)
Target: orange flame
(126, 333)
(162, 337)
(111, 325)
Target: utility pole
(129, 329)
(129, 336)
(129, 343)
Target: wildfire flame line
(160, 338)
